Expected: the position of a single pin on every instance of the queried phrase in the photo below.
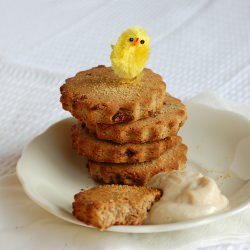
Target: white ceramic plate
(218, 141)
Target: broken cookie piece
(107, 205)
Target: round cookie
(106, 151)
(97, 95)
(163, 124)
(140, 173)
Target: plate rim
(156, 228)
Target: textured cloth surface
(196, 46)
(29, 104)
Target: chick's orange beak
(135, 41)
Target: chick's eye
(131, 39)
(142, 41)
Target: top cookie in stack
(97, 96)
(128, 132)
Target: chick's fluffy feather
(129, 58)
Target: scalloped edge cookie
(97, 95)
(163, 124)
(106, 151)
(140, 173)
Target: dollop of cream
(186, 195)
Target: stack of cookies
(127, 131)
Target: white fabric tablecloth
(196, 46)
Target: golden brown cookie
(107, 205)
(106, 151)
(98, 96)
(163, 124)
(140, 173)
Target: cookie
(107, 205)
(163, 124)
(97, 95)
(140, 173)
(106, 151)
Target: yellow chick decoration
(130, 54)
